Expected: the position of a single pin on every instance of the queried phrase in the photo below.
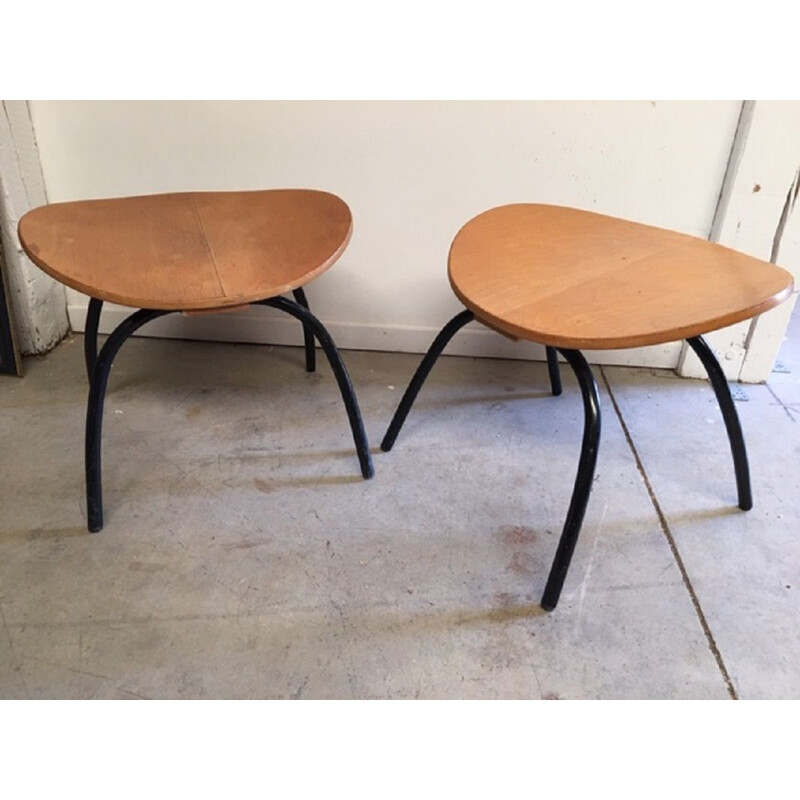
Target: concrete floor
(244, 557)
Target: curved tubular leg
(720, 384)
(308, 333)
(94, 411)
(439, 343)
(553, 369)
(343, 379)
(583, 480)
(90, 335)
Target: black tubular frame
(311, 323)
(93, 322)
(732, 425)
(583, 480)
(553, 369)
(90, 335)
(426, 365)
(94, 411)
(410, 395)
(591, 435)
(99, 366)
(308, 332)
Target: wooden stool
(191, 252)
(574, 280)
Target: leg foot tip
(547, 606)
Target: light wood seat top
(575, 279)
(189, 251)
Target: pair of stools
(571, 280)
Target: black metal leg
(94, 411)
(343, 379)
(553, 369)
(90, 334)
(583, 480)
(426, 365)
(308, 333)
(720, 384)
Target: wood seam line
(208, 246)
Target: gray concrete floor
(244, 557)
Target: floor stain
(517, 534)
(506, 599)
(523, 564)
(262, 485)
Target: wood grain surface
(575, 279)
(189, 251)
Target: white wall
(412, 173)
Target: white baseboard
(264, 326)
